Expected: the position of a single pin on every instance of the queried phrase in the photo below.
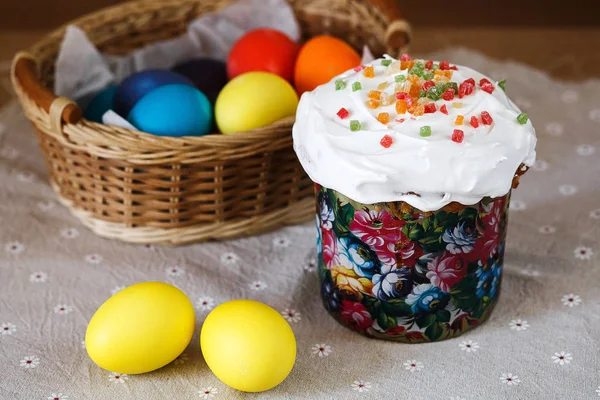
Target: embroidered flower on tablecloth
(14, 248)
(69, 233)
(116, 377)
(229, 258)
(25, 176)
(562, 358)
(595, 214)
(311, 265)
(208, 392)
(38, 277)
(30, 362)
(361, 386)
(567, 190)
(321, 350)
(327, 216)
(205, 303)
(518, 325)
(555, 129)
(569, 96)
(7, 328)
(281, 242)
(510, 379)
(258, 285)
(45, 206)
(182, 359)
(9, 153)
(291, 315)
(546, 229)
(571, 300)
(594, 115)
(116, 290)
(583, 253)
(586, 150)
(57, 396)
(63, 309)
(517, 205)
(93, 258)
(174, 271)
(413, 365)
(540, 165)
(469, 346)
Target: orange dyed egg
(320, 59)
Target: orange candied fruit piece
(374, 94)
(372, 103)
(369, 72)
(401, 107)
(419, 110)
(413, 79)
(383, 117)
(448, 73)
(459, 120)
(414, 91)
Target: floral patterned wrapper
(391, 271)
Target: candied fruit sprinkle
(403, 87)
(458, 136)
(474, 122)
(430, 108)
(457, 104)
(502, 84)
(354, 125)
(522, 118)
(429, 64)
(414, 91)
(356, 86)
(358, 68)
(419, 110)
(486, 118)
(401, 107)
(382, 85)
(459, 120)
(340, 84)
(401, 120)
(372, 104)
(383, 117)
(486, 85)
(374, 94)
(393, 68)
(343, 113)
(448, 94)
(386, 141)
(386, 62)
(425, 131)
(427, 85)
(444, 110)
(387, 99)
(369, 72)
(444, 65)
(400, 78)
(405, 57)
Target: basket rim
(279, 128)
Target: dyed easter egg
(100, 104)
(207, 74)
(173, 110)
(320, 59)
(141, 328)
(252, 100)
(248, 345)
(136, 86)
(265, 50)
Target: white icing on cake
(439, 170)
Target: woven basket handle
(398, 34)
(25, 76)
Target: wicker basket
(147, 189)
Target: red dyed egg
(265, 50)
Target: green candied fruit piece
(356, 86)
(428, 76)
(340, 84)
(523, 118)
(386, 63)
(502, 84)
(354, 125)
(417, 69)
(422, 93)
(425, 131)
(435, 67)
(400, 78)
(435, 93)
(452, 85)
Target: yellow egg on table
(248, 345)
(141, 328)
(252, 100)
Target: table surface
(542, 341)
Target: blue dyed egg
(207, 74)
(136, 86)
(101, 103)
(173, 110)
